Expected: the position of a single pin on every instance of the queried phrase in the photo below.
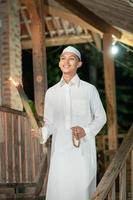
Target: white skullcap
(72, 50)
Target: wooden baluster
(6, 149)
(2, 150)
(13, 148)
(19, 148)
(122, 183)
(25, 150)
(112, 193)
(1, 129)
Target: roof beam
(33, 12)
(25, 21)
(74, 19)
(57, 41)
(97, 40)
(127, 38)
(84, 13)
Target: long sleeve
(48, 128)
(98, 113)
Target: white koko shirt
(72, 171)
(74, 104)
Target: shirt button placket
(68, 108)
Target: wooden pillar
(109, 75)
(35, 8)
(39, 58)
(10, 53)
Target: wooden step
(22, 198)
(15, 188)
(20, 191)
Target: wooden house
(36, 24)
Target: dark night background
(91, 71)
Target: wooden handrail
(41, 179)
(114, 168)
(11, 110)
(41, 175)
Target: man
(73, 116)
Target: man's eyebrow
(71, 56)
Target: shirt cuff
(45, 135)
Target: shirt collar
(74, 81)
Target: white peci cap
(72, 50)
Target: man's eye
(62, 58)
(72, 58)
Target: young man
(73, 116)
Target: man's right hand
(36, 133)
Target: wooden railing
(20, 154)
(113, 184)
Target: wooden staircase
(117, 182)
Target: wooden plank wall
(20, 154)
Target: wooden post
(109, 75)
(39, 58)
(10, 53)
(35, 9)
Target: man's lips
(66, 66)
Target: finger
(74, 127)
(74, 133)
(73, 130)
(77, 137)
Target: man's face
(69, 63)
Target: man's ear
(79, 64)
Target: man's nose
(66, 61)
